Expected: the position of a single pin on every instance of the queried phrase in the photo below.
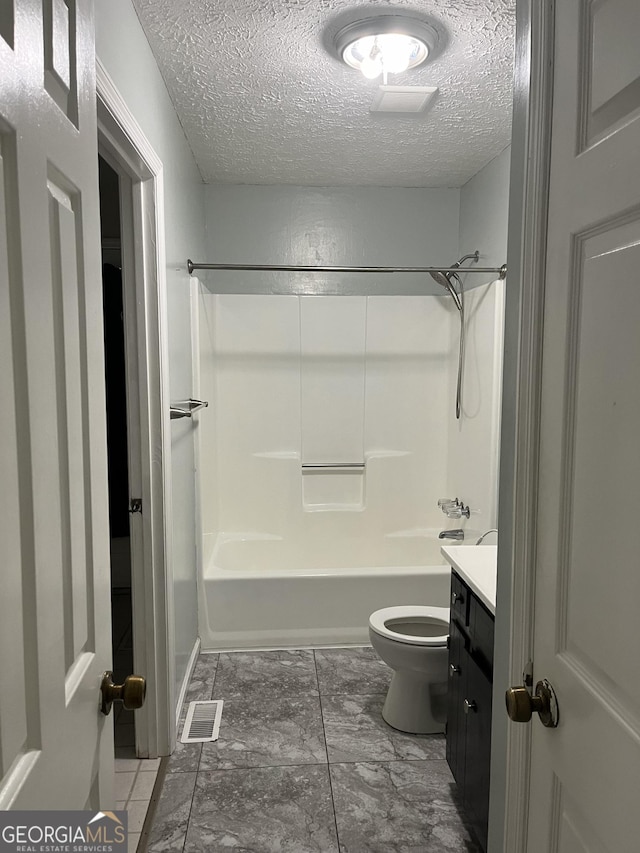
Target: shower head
(444, 280)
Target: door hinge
(135, 505)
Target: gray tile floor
(306, 764)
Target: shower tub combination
(258, 592)
(340, 556)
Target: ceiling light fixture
(387, 44)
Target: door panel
(60, 33)
(6, 21)
(574, 831)
(602, 461)
(609, 66)
(13, 702)
(586, 773)
(56, 750)
(71, 401)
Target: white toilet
(413, 642)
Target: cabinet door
(481, 630)
(459, 601)
(456, 721)
(478, 748)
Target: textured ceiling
(263, 101)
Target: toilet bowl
(413, 642)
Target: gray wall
(122, 48)
(474, 439)
(396, 226)
(484, 210)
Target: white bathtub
(258, 593)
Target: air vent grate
(402, 99)
(203, 722)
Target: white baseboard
(193, 657)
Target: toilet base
(414, 705)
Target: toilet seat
(381, 622)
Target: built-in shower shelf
(333, 467)
(277, 454)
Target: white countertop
(476, 564)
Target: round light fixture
(387, 44)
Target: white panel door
(585, 778)
(56, 749)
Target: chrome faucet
(458, 535)
(486, 533)
(454, 508)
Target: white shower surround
(269, 593)
(277, 571)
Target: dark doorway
(117, 447)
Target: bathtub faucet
(458, 535)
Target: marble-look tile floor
(306, 764)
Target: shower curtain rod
(193, 265)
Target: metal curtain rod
(193, 265)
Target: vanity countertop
(476, 564)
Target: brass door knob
(521, 704)
(131, 693)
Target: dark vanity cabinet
(469, 702)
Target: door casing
(122, 138)
(520, 408)
(522, 380)
(124, 145)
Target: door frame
(122, 142)
(153, 619)
(522, 381)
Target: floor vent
(203, 722)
